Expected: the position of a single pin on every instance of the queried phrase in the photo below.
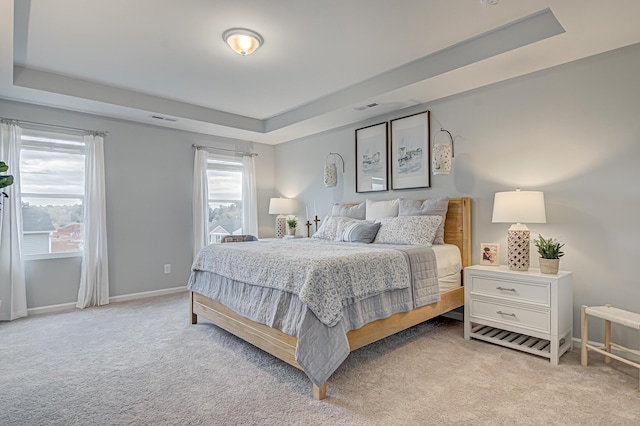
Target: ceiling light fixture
(489, 2)
(243, 41)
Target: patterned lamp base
(281, 226)
(518, 247)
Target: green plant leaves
(5, 180)
(548, 248)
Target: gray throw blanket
(324, 276)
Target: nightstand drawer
(520, 317)
(528, 292)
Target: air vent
(159, 117)
(371, 105)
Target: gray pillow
(433, 207)
(344, 210)
(360, 232)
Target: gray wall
(572, 131)
(149, 175)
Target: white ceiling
(321, 60)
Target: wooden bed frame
(283, 346)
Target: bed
(279, 340)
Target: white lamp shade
(330, 175)
(281, 206)
(441, 159)
(519, 207)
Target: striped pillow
(360, 232)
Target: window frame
(221, 163)
(58, 142)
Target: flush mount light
(243, 41)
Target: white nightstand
(528, 311)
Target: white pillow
(345, 210)
(333, 227)
(379, 209)
(408, 230)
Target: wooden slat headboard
(457, 227)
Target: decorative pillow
(408, 230)
(333, 227)
(345, 210)
(379, 209)
(328, 228)
(360, 232)
(436, 206)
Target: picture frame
(410, 151)
(372, 146)
(490, 254)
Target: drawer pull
(504, 313)
(506, 289)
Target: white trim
(59, 255)
(52, 308)
(115, 299)
(577, 344)
(145, 294)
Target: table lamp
(281, 207)
(518, 207)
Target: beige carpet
(141, 363)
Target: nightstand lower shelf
(519, 341)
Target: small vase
(549, 266)
(292, 231)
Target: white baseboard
(577, 344)
(145, 294)
(51, 309)
(115, 299)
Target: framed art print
(490, 254)
(371, 158)
(410, 154)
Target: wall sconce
(331, 171)
(242, 40)
(281, 207)
(442, 155)
(519, 207)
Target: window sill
(52, 255)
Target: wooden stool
(609, 315)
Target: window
(224, 178)
(52, 179)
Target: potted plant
(292, 222)
(5, 180)
(550, 254)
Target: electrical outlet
(167, 268)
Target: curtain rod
(212, 148)
(55, 126)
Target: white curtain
(200, 204)
(94, 276)
(249, 198)
(13, 291)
